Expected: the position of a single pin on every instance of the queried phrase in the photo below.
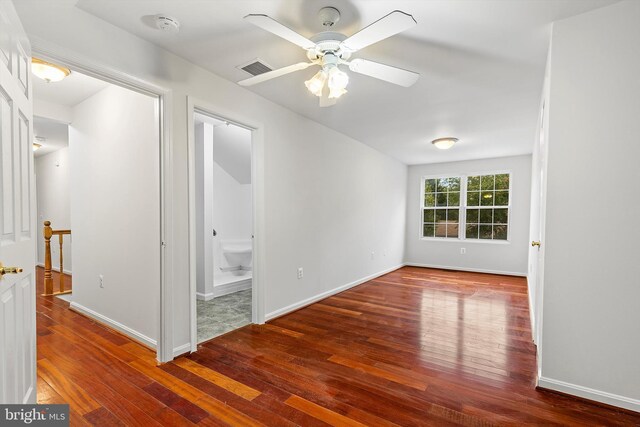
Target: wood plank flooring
(416, 347)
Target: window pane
(500, 216)
(472, 216)
(487, 198)
(429, 199)
(441, 215)
(472, 231)
(454, 199)
(500, 232)
(429, 185)
(441, 230)
(486, 216)
(441, 199)
(502, 181)
(473, 198)
(454, 184)
(452, 230)
(486, 182)
(502, 198)
(485, 231)
(442, 185)
(473, 183)
(429, 215)
(428, 230)
(452, 215)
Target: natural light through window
(466, 207)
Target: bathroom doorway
(224, 226)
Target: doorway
(101, 182)
(224, 225)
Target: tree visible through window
(441, 216)
(467, 207)
(487, 207)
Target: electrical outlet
(101, 280)
(373, 255)
(463, 251)
(300, 273)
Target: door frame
(257, 198)
(65, 57)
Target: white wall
(232, 203)
(204, 209)
(329, 200)
(113, 147)
(591, 320)
(503, 257)
(52, 187)
(232, 212)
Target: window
(441, 214)
(466, 207)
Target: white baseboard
(323, 295)
(230, 288)
(181, 349)
(589, 393)
(65, 271)
(204, 297)
(471, 270)
(133, 334)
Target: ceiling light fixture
(444, 143)
(36, 146)
(47, 71)
(316, 83)
(335, 79)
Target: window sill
(472, 241)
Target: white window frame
(462, 221)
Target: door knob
(534, 243)
(9, 270)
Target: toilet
(237, 254)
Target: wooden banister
(48, 232)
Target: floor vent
(255, 67)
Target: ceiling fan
(329, 50)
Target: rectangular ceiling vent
(255, 67)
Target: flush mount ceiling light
(47, 71)
(37, 142)
(444, 143)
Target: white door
(538, 243)
(17, 219)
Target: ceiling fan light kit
(329, 50)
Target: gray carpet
(223, 314)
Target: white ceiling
(70, 91)
(231, 147)
(56, 135)
(481, 64)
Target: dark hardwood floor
(414, 347)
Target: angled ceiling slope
(481, 64)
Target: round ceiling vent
(167, 23)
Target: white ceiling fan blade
(387, 26)
(275, 73)
(384, 72)
(273, 26)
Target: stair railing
(48, 275)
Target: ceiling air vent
(255, 67)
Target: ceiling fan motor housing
(328, 42)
